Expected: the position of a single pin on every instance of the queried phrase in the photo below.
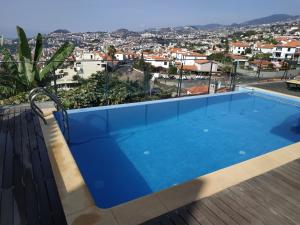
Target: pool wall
(79, 206)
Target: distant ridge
(275, 18)
(61, 31)
(271, 19)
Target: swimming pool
(128, 151)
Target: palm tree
(111, 51)
(24, 74)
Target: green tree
(265, 56)
(111, 51)
(24, 74)
(248, 51)
(172, 70)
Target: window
(289, 49)
(91, 56)
(165, 63)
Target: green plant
(26, 73)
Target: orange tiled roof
(195, 54)
(198, 89)
(191, 68)
(202, 61)
(266, 46)
(240, 44)
(261, 62)
(290, 44)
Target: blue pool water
(125, 152)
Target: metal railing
(40, 91)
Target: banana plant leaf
(57, 59)
(25, 55)
(37, 55)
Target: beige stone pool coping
(79, 206)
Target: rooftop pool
(128, 151)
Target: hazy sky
(94, 15)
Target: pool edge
(79, 206)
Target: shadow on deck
(28, 189)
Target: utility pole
(210, 74)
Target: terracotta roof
(232, 56)
(290, 44)
(202, 61)
(240, 44)
(188, 68)
(174, 50)
(156, 57)
(261, 62)
(265, 46)
(195, 54)
(198, 89)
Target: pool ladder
(40, 91)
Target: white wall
(283, 52)
(205, 67)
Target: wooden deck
(271, 199)
(28, 193)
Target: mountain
(211, 26)
(259, 21)
(270, 19)
(61, 31)
(122, 33)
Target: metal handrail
(34, 93)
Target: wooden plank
(3, 134)
(209, 214)
(187, 217)
(20, 217)
(278, 207)
(217, 211)
(7, 203)
(176, 219)
(26, 155)
(44, 204)
(261, 211)
(281, 205)
(225, 207)
(8, 159)
(199, 216)
(32, 211)
(237, 204)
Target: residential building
(157, 61)
(286, 49)
(263, 48)
(238, 48)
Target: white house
(238, 48)
(120, 56)
(264, 48)
(88, 63)
(205, 66)
(189, 58)
(157, 61)
(202, 65)
(286, 49)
